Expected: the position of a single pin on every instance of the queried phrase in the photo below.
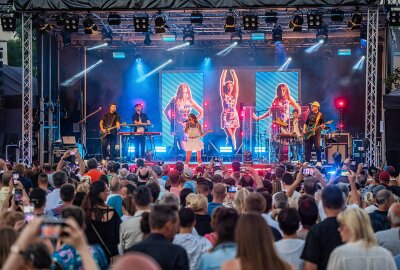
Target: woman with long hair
(102, 221)
(361, 250)
(229, 92)
(255, 246)
(193, 142)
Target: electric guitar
(108, 130)
(310, 131)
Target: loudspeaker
(343, 149)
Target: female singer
(193, 143)
(229, 91)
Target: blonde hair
(83, 187)
(197, 202)
(239, 200)
(359, 223)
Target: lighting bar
(343, 52)
(225, 149)
(259, 149)
(168, 38)
(161, 149)
(257, 36)
(183, 45)
(119, 55)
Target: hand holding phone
(15, 177)
(72, 153)
(18, 196)
(52, 229)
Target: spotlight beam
(314, 47)
(179, 46)
(97, 47)
(285, 65)
(359, 64)
(144, 77)
(227, 49)
(74, 78)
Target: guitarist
(315, 118)
(109, 120)
(139, 118)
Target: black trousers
(308, 144)
(111, 140)
(140, 141)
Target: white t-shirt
(290, 251)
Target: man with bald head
(390, 239)
(219, 194)
(115, 199)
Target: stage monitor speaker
(341, 147)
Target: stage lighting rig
(71, 23)
(107, 35)
(9, 22)
(322, 34)
(363, 35)
(141, 23)
(297, 21)
(394, 18)
(237, 36)
(196, 18)
(159, 22)
(147, 39)
(356, 20)
(67, 38)
(230, 22)
(314, 19)
(114, 19)
(43, 25)
(271, 17)
(89, 25)
(337, 15)
(277, 33)
(188, 34)
(250, 22)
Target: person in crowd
(93, 172)
(170, 200)
(5, 187)
(8, 236)
(26, 182)
(324, 237)
(38, 200)
(164, 223)
(213, 237)
(53, 199)
(267, 212)
(290, 247)
(130, 233)
(279, 201)
(390, 238)
(194, 245)
(12, 219)
(255, 248)
(384, 199)
(102, 221)
(287, 180)
(225, 248)
(67, 196)
(183, 195)
(43, 182)
(115, 199)
(203, 187)
(199, 205)
(384, 179)
(239, 200)
(218, 194)
(128, 208)
(308, 214)
(174, 182)
(155, 190)
(139, 260)
(310, 186)
(361, 250)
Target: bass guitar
(310, 131)
(108, 130)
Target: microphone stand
(82, 122)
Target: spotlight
(71, 23)
(60, 19)
(188, 34)
(363, 36)
(160, 23)
(147, 40)
(322, 34)
(114, 19)
(237, 36)
(314, 19)
(356, 20)
(337, 15)
(141, 23)
(296, 22)
(196, 18)
(107, 35)
(271, 17)
(250, 22)
(9, 22)
(230, 23)
(394, 18)
(67, 39)
(277, 33)
(89, 25)
(43, 25)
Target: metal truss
(372, 155)
(27, 121)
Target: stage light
(9, 22)
(89, 25)
(97, 47)
(43, 25)
(114, 19)
(297, 21)
(271, 17)
(359, 65)
(363, 36)
(147, 40)
(322, 34)
(60, 19)
(67, 38)
(159, 23)
(161, 149)
(250, 22)
(206, 65)
(356, 20)
(259, 149)
(394, 18)
(74, 78)
(188, 34)
(285, 66)
(196, 17)
(168, 37)
(119, 55)
(257, 36)
(71, 23)
(107, 35)
(277, 33)
(340, 103)
(230, 22)
(314, 47)
(225, 149)
(337, 15)
(141, 23)
(144, 77)
(314, 19)
(180, 46)
(227, 50)
(237, 36)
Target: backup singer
(314, 119)
(109, 123)
(139, 118)
(193, 142)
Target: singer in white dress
(193, 142)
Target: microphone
(187, 120)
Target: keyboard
(128, 133)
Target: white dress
(193, 140)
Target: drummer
(295, 124)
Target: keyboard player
(141, 122)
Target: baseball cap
(191, 185)
(315, 103)
(187, 173)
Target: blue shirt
(69, 258)
(214, 260)
(115, 201)
(212, 206)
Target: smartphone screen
(231, 189)
(72, 153)
(344, 173)
(18, 196)
(15, 177)
(307, 171)
(51, 229)
(28, 213)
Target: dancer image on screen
(109, 124)
(178, 110)
(229, 91)
(315, 121)
(193, 142)
(141, 121)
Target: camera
(52, 229)
(231, 189)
